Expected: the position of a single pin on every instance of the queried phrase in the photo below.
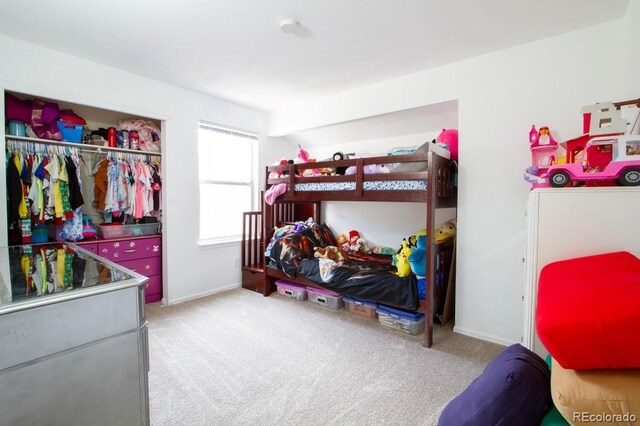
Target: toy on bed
(414, 238)
(328, 252)
(445, 231)
(369, 169)
(449, 137)
(402, 260)
(356, 243)
(418, 257)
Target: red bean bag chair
(588, 311)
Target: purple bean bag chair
(514, 389)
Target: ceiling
(235, 50)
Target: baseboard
(203, 294)
(483, 336)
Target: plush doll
(445, 231)
(412, 239)
(369, 169)
(328, 252)
(418, 257)
(361, 246)
(343, 242)
(353, 239)
(449, 137)
(402, 260)
(383, 250)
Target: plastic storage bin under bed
(326, 298)
(360, 307)
(295, 291)
(407, 322)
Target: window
(226, 173)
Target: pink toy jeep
(624, 165)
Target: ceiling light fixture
(289, 25)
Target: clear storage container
(121, 231)
(360, 307)
(407, 322)
(327, 298)
(295, 291)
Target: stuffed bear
(418, 257)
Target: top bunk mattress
(387, 185)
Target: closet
(109, 200)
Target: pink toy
(449, 137)
(543, 154)
(624, 165)
(303, 155)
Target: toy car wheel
(630, 177)
(559, 179)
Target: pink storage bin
(295, 291)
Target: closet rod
(83, 147)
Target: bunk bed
(431, 180)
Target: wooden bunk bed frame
(295, 205)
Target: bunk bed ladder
(252, 256)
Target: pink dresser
(140, 254)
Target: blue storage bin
(17, 128)
(71, 132)
(407, 322)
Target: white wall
(499, 97)
(632, 49)
(189, 270)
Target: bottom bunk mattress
(292, 250)
(364, 280)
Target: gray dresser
(73, 339)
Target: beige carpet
(237, 358)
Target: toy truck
(621, 162)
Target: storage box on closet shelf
(108, 231)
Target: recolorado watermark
(587, 417)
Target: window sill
(219, 242)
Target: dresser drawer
(147, 267)
(153, 289)
(92, 247)
(118, 251)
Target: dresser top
(41, 274)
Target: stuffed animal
(328, 252)
(402, 260)
(369, 169)
(449, 137)
(412, 239)
(353, 239)
(445, 231)
(383, 250)
(343, 242)
(361, 246)
(418, 257)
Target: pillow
(512, 390)
(291, 248)
(324, 236)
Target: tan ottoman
(596, 397)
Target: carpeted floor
(237, 358)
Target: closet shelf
(84, 147)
